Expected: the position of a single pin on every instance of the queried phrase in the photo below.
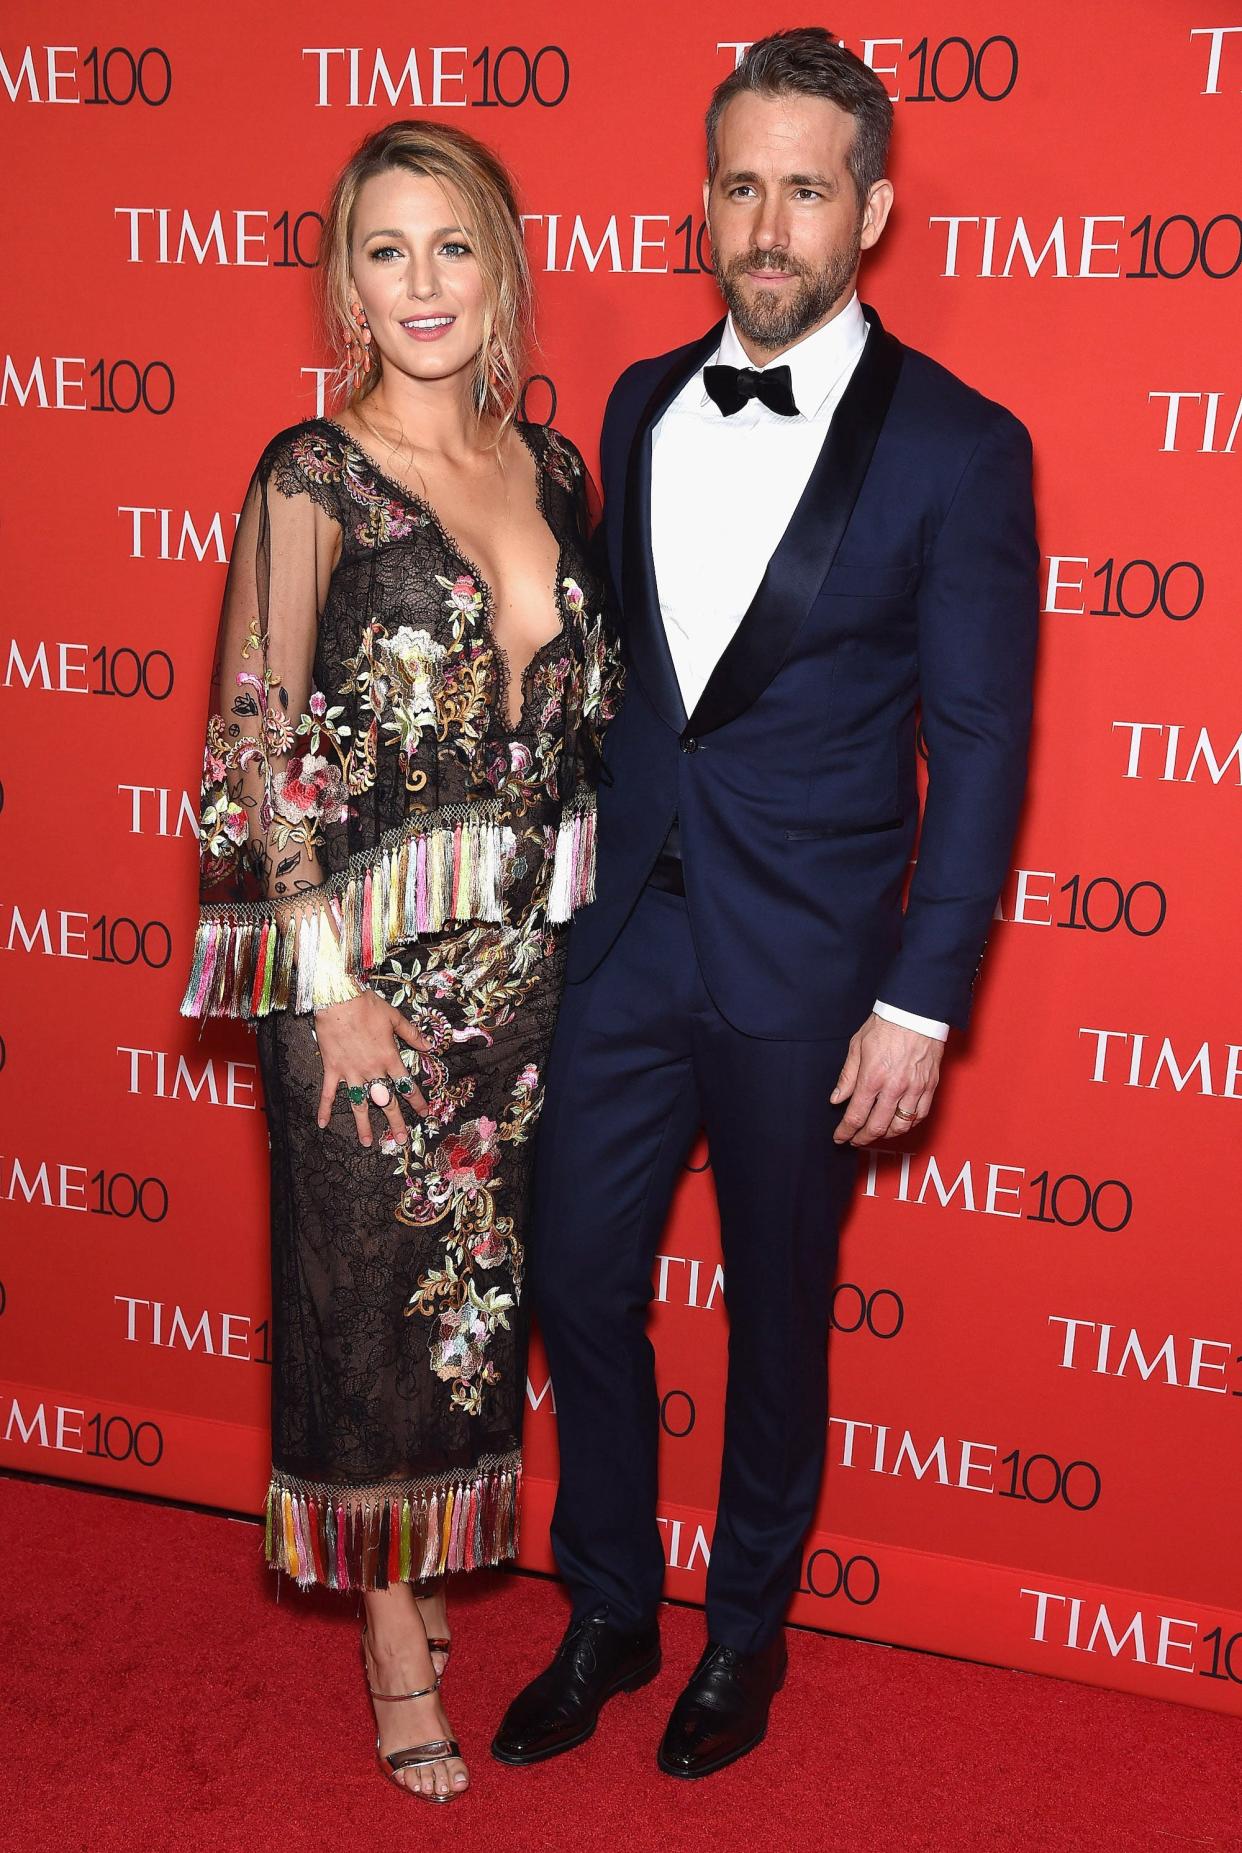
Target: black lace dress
(371, 814)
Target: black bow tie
(731, 387)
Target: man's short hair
(809, 62)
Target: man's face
(786, 223)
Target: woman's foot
(433, 1607)
(397, 1659)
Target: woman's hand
(358, 1043)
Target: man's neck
(761, 356)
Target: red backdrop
(1033, 1453)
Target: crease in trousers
(641, 1058)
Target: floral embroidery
(299, 779)
(411, 681)
(310, 787)
(561, 461)
(412, 687)
(483, 972)
(461, 1167)
(459, 1182)
(316, 457)
(464, 595)
(223, 819)
(377, 518)
(413, 662)
(602, 676)
(451, 1172)
(296, 791)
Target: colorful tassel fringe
(397, 1532)
(573, 863)
(449, 865)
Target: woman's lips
(427, 328)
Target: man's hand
(889, 1078)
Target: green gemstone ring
(356, 1095)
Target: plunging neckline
(483, 585)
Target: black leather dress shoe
(561, 1708)
(723, 1712)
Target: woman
(397, 821)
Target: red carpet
(157, 1697)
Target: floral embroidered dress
(373, 813)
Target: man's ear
(875, 213)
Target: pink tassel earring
(358, 348)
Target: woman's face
(416, 275)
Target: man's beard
(778, 319)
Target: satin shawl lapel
(644, 631)
(797, 569)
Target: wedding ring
(898, 1114)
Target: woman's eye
(453, 249)
(382, 253)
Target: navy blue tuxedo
(907, 575)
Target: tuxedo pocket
(825, 830)
(860, 579)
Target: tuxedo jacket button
(690, 746)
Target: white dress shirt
(723, 491)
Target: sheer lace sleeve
(603, 674)
(269, 933)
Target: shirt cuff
(906, 1019)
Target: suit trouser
(641, 1058)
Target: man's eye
(737, 192)
(808, 193)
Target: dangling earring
(493, 375)
(358, 348)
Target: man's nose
(771, 233)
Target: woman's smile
(427, 327)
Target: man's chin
(768, 324)
(759, 304)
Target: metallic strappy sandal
(438, 1644)
(419, 1756)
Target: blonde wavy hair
(482, 187)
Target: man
(811, 530)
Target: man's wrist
(907, 1019)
